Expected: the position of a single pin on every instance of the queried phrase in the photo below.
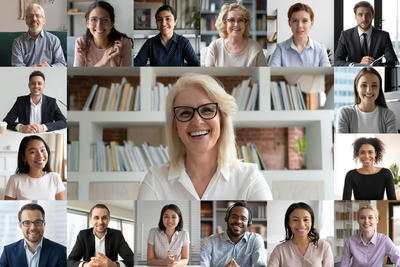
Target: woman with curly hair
(102, 45)
(302, 246)
(234, 48)
(369, 181)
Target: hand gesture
(100, 261)
(31, 128)
(41, 64)
(367, 60)
(116, 52)
(232, 263)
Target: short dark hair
(313, 234)
(364, 4)
(22, 166)
(99, 206)
(378, 145)
(176, 209)
(30, 206)
(239, 204)
(300, 7)
(166, 8)
(37, 73)
(380, 100)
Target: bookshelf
(315, 182)
(213, 213)
(346, 224)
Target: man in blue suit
(35, 112)
(34, 250)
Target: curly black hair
(378, 145)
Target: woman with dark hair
(102, 45)
(169, 243)
(369, 182)
(302, 246)
(370, 113)
(34, 179)
(167, 48)
(300, 49)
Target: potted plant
(300, 149)
(395, 171)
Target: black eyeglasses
(28, 223)
(237, 218)
(206, 111)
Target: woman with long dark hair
(302, 246)
(34, 179)
(102, 45)
(369, 114)
(168, 244)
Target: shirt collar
(41, 34)
(174, 38)
(225, 237)
(176, 173)
(372, 241)
(101, 239)
(291, 44)
(40, 102)
(360, 32)
(38, 248)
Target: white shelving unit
(316, 182)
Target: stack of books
(246, 95)
(286, 97)
(73, 156)
(249, 153)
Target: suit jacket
(85, 248)
(349, 47)
(51, 114)
(52, 255)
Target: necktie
(364, 47)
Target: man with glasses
(235, 247)
(37, 47)
(100, 245)
(34, 250)
(363, 44)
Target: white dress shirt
(33, 258)
(369, 32)
(159, 240)
(243, 182)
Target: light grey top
(218, 250)
(27, 51)
(219, 56)
(368, 122)
(347, 121)
(287, 255)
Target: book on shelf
(286, 97)
(249, 153)
(206, 229)
(259, 229)
(246, 95)
(206, 210)
(261, 5)
(117, 97)
(107, 157)
(262, 211)
(73, 156)
(159, 95)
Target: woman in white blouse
(34, 179)
(168, 244)
(201, 147)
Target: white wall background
(56, 16)
(323, 214)
(322, 31)
(123, 10)
(15, 81)
(344, 156)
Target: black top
(369, 186)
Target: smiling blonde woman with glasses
(201, 147)
(102, 45)
(234, 48)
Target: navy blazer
(51, 114)
(349, 47)
(85, 248)
(51, 255)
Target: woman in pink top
(102, 45)
(302, 246)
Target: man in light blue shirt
(34, 250)
(37, 47)
(235, 247)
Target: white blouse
(159, 240)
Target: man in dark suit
(363, 44)
(36, 112)
(100, 246)
(34, 249)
